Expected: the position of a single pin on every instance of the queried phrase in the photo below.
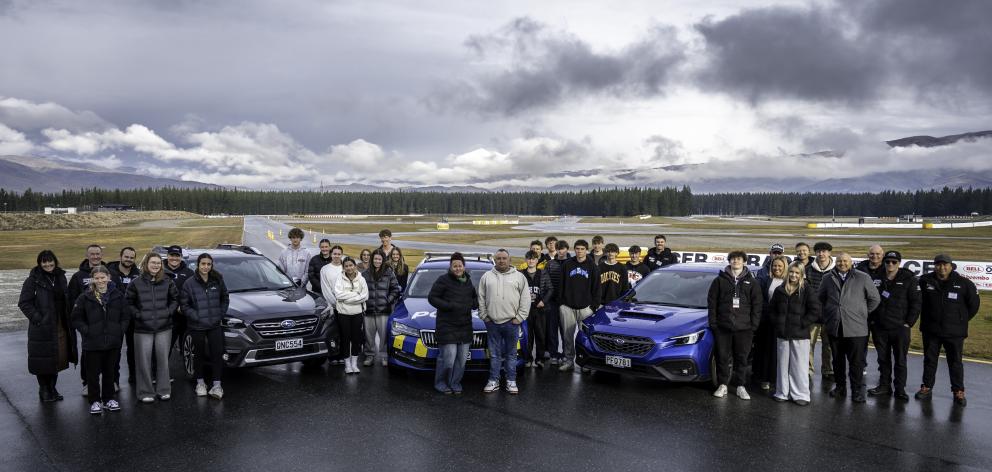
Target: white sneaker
(165, 397)
(385, 363)
(742, 393)
(347, 366)
(148, 400)
(511, 387)
(201, 390)
(112, 405)
(217, 392)
(491, 386)
(96, 408)
(720, 392)
(368, 362)
(566, 366)
(354, 365)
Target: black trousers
(732, 349)
(178, 330)
(764, 365)
(891, 346)
(100, 367)
(129, 339)
(352, 334)
(552, 331)
(209, 348)
(47, 382)
(849, 358)
(537, 325)
(931, 354)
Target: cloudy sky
(292, 93)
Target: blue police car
(412, 344)
(658, 329)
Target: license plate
(468, 355)
(289, 344)
(617, 361)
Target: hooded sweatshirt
(814, 274)
(503, 296)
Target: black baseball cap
(892, 255)
(942, 258)
(777, 248)
(175, 249)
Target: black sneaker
(858, 397)
(901, 394)
(959, 398)
(881, 390)
(838, 391)
(925, 393)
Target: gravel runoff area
(11, 318)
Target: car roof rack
(440, 256)
(239, 247)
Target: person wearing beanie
(949, 302)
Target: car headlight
(688, 338)
(404, 330)
(232, 322)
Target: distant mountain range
(41, 174)
(19, 173)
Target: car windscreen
(251, 274)
(675, 288)
(424, 279)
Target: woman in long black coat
(454, 297)
(45, 302)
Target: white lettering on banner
(978, 272)
(433, 314)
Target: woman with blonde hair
(794, 308)
(152, 300)
(764, 365)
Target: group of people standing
(771, 321)
(110, 305)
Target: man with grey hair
(847, 297)
(873, 265)
(504, 303)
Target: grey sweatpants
(146, 345)
(570, 319)
(792, 380)
(375, 325)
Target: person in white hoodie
(295, 259)
(504, 302)
(329, 275)
(351, 292)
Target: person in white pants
(795, 307)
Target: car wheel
(315, 362)
(189, 355)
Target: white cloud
(26, 115)
(13, 142)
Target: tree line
(669, 201)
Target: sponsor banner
(978, 272)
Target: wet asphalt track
(284, 418)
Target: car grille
(429, 337)
(635, 346)
(273, 328)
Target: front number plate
(289, 344)
(617, 361)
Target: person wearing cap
(847, 297)
(873, 265)
(176, 268)
(295, 259)
(773, 251)
(822, 264)
(890, 324)
(949, 302)
(454, 297)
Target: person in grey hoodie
(847, 297)
(504, 303)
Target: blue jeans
(450, 366)
(502, 350)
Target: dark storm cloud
(539, 68)
(852, 52)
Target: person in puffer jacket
(793, 309)
(734, 303)
(205, 299)
(351, 293)
(152, 300)
(891, 322)
(384, 290)
(101, 318)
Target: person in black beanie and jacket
(734, 302)
(204, 299)
(45, 303)
(454, 297)
(101, 317)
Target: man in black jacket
(579, 297)
(122, 272)
(873, 265)
(637, 269)
(176, 268)
(734, 303)
(318, 262)
(539, 284)
(554, 269)
(660, 256)
(891, 322)
(950, 301)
